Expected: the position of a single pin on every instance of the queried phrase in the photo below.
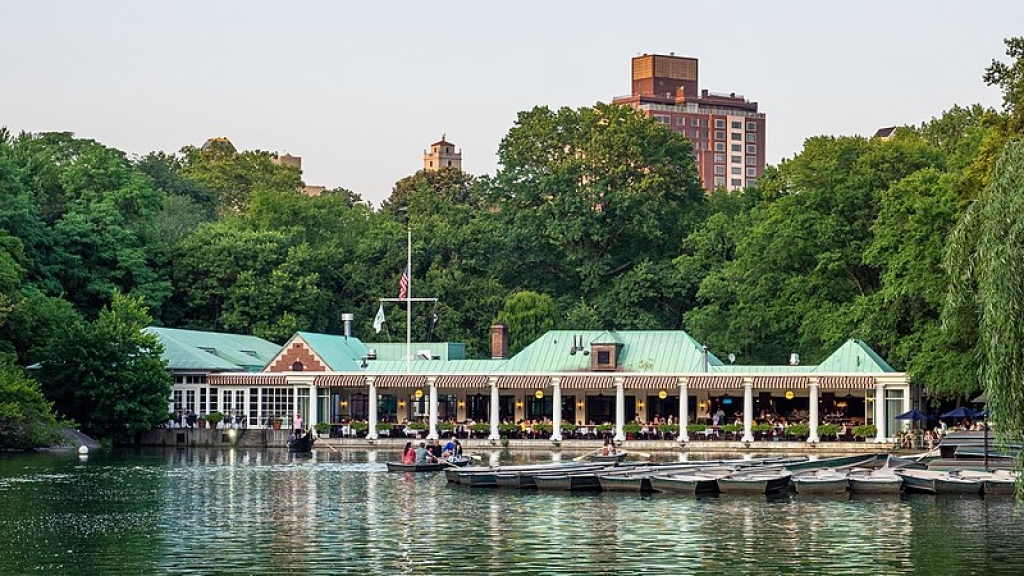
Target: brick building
(727, 131)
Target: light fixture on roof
(577, 346)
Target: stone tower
(442, 154)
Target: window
(736, 159)
(737, 147)
(751, 160)
(751, 182)
(680, 121)
(736, 124)
(736, 182)
(751, 149)
(719, 123)
(696, 134)
(751, 137)
(719, 181)
(736, 135)
(751, 171)
(719, 169)
(752, 126)
(736, 170)
(719, 157)
(719, 135)
(662, 119)
(694, 122)
(604, 357)
(719, 146)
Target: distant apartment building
(296, 162)
(442, 154)
(727, 131)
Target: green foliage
(543, 427)
(507, 428)
(528, 316)
(417, 426)
(732, 428)
(828, 430)
(693, 428)
(762, 427)
(107, 374)
(799, 430)
(673, 428)
(385, 426)
(569, 427)
(214, 418)
(26, 421)
(631, 428)
(865, 431)
(322, 427)
(605, 427)
(446, 426)
(480, 427)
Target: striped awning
(847, 382)
(255, 379)
(341, 381)
(586, 382)
(651, 382)
(400, 381)
(461, 382)
(714, 382)
(780, 382)
(523, 382)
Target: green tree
(985, 259)
(26, 421)
(528, 316)
(232, 176)
(108, 374)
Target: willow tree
(985, 259)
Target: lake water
(234, 512)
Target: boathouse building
(580, 377)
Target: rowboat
(837, 462)
(935, 482)
(874, 481)
(487, 475)
(527, 478)
(824, 481)
(580, 480)
(639, 479)
(427, 466)
(754, 482)
(302, 444)
(704, 481)
(1002, 482)
(610, 458)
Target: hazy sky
(359, 90)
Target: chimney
(347, 319)
(499, 341)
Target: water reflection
(269, 512)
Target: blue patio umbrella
(960, 412)
(914, 414)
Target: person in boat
(606, 450)
(436, 450)
(409, 454)
(449, 448)
(423, 455)
(457, 451)
(297, 426)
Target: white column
(684, 412)
(432, 433)
(812, 412)
(556, 411)
(371, 432)
(748, 410)
(313, 416)
(881, 436)
(620, 409)
(495, 411)
(295, 407)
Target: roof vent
(794, 359)
(371, 354)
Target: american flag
(403, 284)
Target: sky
(360, 89)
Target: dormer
(605, 351)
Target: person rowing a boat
(423, 456)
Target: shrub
(569, 427)
(828, 429)
(446, 426)
(798, 430)
(605, 427)
(322, 427)
(480, 427)
(762, 427)
(695, 427)
(672, 428)
(543, 427)
(732, 428)
(416, 426)
(359, 426)
(631, 428)
(506, 428)
(865, 431)
(214, 417)
(385, 426)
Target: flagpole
(408, 296)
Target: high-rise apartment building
(727, 131)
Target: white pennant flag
(378, 320)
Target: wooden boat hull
(625, 483)
(753, 483)
(933, 482)
(837, 462)
(821, 485)
(610, 459)
(686, 484)
(874, 483)
(429, 467)
(999, 487)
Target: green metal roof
(340, 353)
(441, 350)
(421, 366)
(213, 351)
(659, 351)
(854, 356)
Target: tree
(529, 316)
(108, 374)
(448, 183)
(585, 197)
(985, 259)
(1010, 78)
(232, 177)
(26, 421)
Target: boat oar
(582, 456)
(640, 454)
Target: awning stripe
(847, 382)
(339, 380)
(585, 382)
(400, 381)
(780, 382)
(452, 381)
(651, 382)
(714, 382)
(255, 379)
(523, 382)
